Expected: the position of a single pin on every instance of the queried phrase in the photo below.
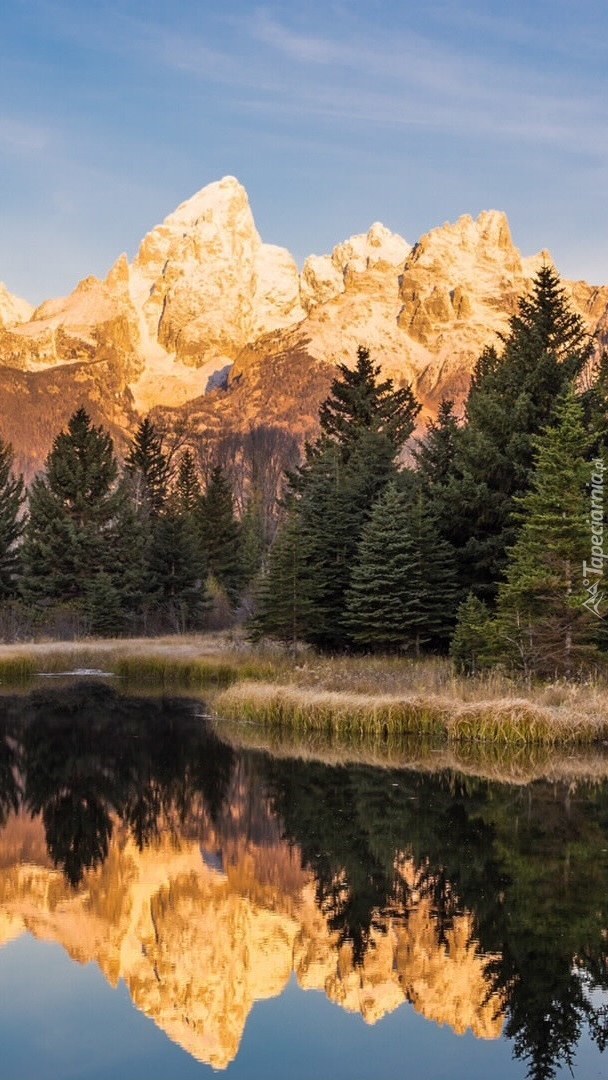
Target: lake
(177, 898)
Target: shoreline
(372, 698)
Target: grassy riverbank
(363, 696)
(188, 662)
(510, 720)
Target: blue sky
(333, 115)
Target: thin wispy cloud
(467, 103)
(304, 48)
(405, 82)
(396, 80)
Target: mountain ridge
(210, 323)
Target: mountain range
(210, 324)
(197, 944)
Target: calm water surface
(171, 906)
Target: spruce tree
(176, 588)
(11, 523)
(542, 622)
(254, 545)
(436, 452)
(435, 456)
(148, 466)
(512, 398)
(358, 401)
(80, 523)
(403, 586)
(219, 533)
(335, 504)
(187, 490)
(471, 646)
(283, 607)
(364, 425)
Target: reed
(194, 674)
(180, 663)
(17, 668)
(372, 697)
(305, 709)
(22, 666)
(508, 721)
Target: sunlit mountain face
(204, 879)
(222, 332)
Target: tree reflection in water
(529, 863)
(87, 757)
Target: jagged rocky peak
(207, 284)
(12, 308)
(469, 245)
(204, 296)
(325, 276)
(465, 271)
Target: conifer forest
(476, 536)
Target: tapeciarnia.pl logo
(593, 571)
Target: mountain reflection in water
(205, 878)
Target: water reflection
(137, 838)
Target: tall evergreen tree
(512, 398)
(80, 524)
(436, 452)
(403, 587)
(335, 503)
(219, 533)
(11, 523)
(542, 621)
(177, 590)
(358, 401)
(364, 425)
(148, 465)
(187, 490)
(435, 456)
(283, 606)
(254, 544)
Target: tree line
(480, 546)
(155, 545)
(477, 544)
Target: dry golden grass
(499, 720)
(368, 697)
(186, 662)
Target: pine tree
(435, 456)
(364, 424)
(358, 402)
(148, 466)
(103, 605)
(403, 587)
(253, 538)
(177, 587)
(511, 399)
(11, 523)
(332, 507)
(472, 644)
(283, 608)
(219, 533)
(542, 621)
(80, 524)
(436, 452)
(187, 490)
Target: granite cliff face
(206, 303)
(203, 928)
